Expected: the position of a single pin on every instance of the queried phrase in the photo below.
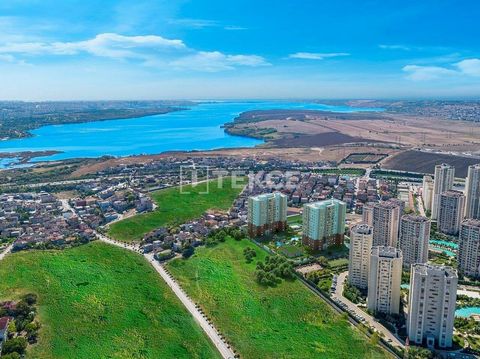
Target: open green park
(284, 321)
(176, 207)
(99, 301)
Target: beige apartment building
(385, 222)
(384, 280)
(443, 181)
(469, 248)
(361, 239)
(413, 239)
(450, 213)
(472, 192)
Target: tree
(15, 345)
(419, 353)
(188, 252)
(13, 355)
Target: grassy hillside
(175, 207)
(98, 301)
(287, 321)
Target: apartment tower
(267, 213)
(443, 181)
(323, 224)
(450, 212)
(361, 239)
(433, 292)
(472, 192)
(413, 239)
(469, 248)
(384, 280)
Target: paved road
(209, 329)
(6, 251)
(370, 320)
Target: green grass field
(175, 208)
(99, 301)
(287, 321)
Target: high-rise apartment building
(267, 213)
(384, 280)
(427, 192)
(324, 223)
(385, 222)
(361, 239)
(450, 212)
(413, 239)
(472, 192)
(443, 181)
(469, 248)
(432, 297)
(367, 213)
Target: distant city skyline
(74, 50)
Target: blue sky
(198, 49)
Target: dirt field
(399, 129)
(423, 162)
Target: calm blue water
(467, 311)
(198, 128)
(446, 251)
(444, 243)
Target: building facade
(324, 224)
(443, 181)
(267, 213)
(367, 214)
(384, 280)
(431, 313)
(472, 192)
(385, 222)
(361, 239)
(469, 248)
(413, 239)
(427, 192)
(450, 213)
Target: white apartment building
(324, 223)
(427, 192)
(472, 192)
(469, 248)
(443, 181)
(361, 239)
(433, 292)
(384, 280)
(267, 213)
(385, 222)
(450, 212)
(413, 239)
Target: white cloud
(194, 23)
(394, 47)
(216, 61)
(234, 28)
(422, 73)
(316, 55)
(469, 67)
(151, 50)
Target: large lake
(196, 128)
